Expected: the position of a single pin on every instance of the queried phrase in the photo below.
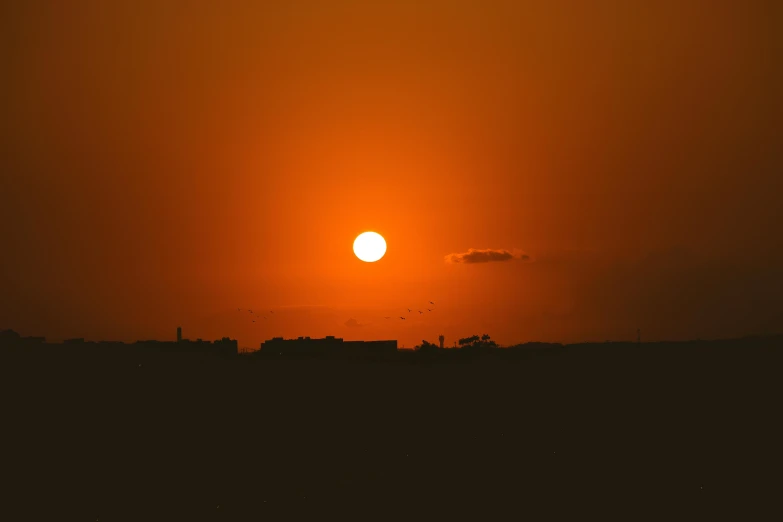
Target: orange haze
(165, 163)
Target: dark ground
(686, 431)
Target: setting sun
(369, 246)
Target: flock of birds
(420, 312)
(254, 316)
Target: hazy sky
(164, 163)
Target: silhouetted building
(11, 338)
(327, 346)
(78, 346)
(369, 347)
(224, 346)
(440, 340)
(179, 334)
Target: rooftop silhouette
(328, 346)
(224, 346)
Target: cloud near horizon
(353, 323)
(475, 255)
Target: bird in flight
(402, 318)
(432, 303)
(251, 311)
(254, 320)
(409, 309)
(387, 317)
(271, 312)
(429, 309)
(421, 312)
(239, 309)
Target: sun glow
(369, 246)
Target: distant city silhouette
(223, 347)
(336, 347)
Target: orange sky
(164, 163)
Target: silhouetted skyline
(331, 347)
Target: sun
(369, 246)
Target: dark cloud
(353, 323)
(475, 255)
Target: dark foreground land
(681, 431)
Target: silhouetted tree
(477, 343)
(426, 346)
(467, 341)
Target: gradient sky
(164, 163)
